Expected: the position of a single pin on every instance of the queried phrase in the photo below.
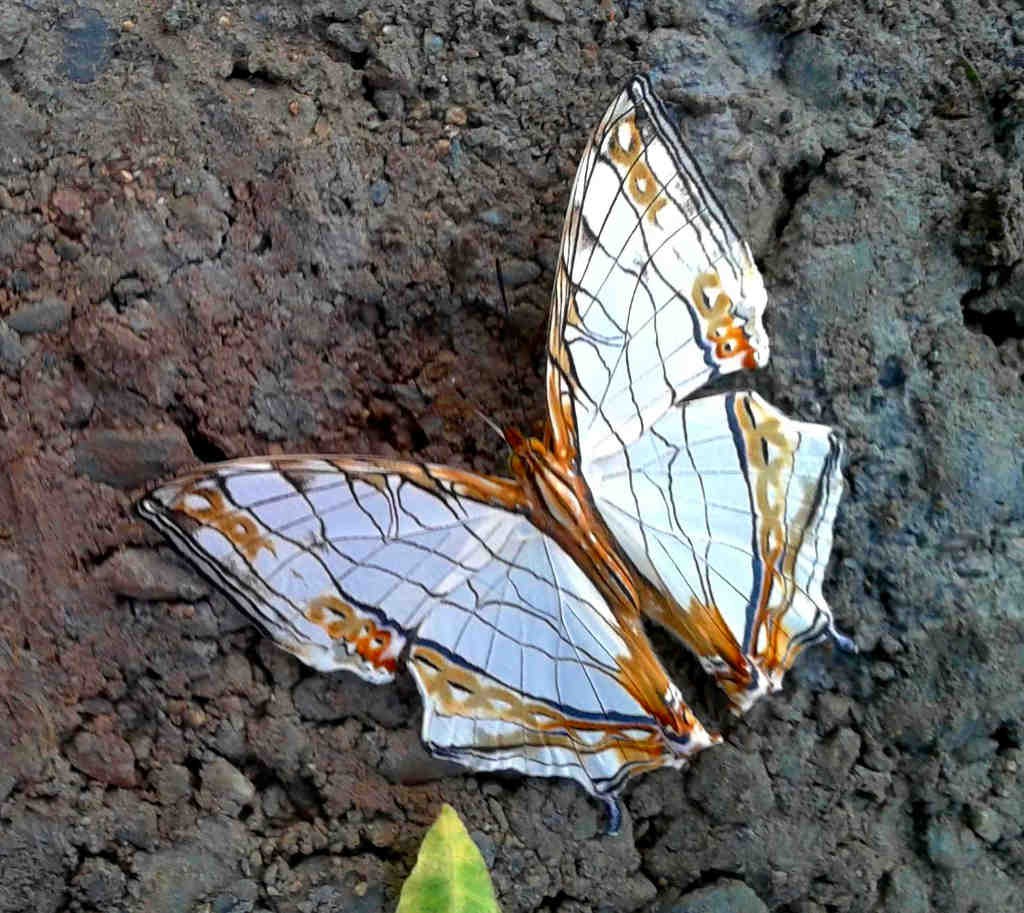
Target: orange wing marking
(562, 387)
(722, 327)
(769, 453)
(456, 691)
(625, 147)
(493, 490)
(340, 621)
(236, 526)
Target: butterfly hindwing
(655, 292)
(728, 505)
(365, 565)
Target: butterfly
(518, 604)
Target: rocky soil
(233, 228)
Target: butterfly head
(528, 454)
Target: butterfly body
(561, 506)
(518, 604)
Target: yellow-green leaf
(450, 875)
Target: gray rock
(496, 218)
(283, 668)
(354, 897)
(81, 403)
(324, 698)
(950, 845)
(173, 879)
(15, 23)
(99, 883)
(731, 785)
(348, 36)
(88, 39)
(225, 789)
(724, 896)
(906, 891)
(13, 578)
(403, 759)
(281, 744)
(833, 710)
(229, 740)
(517, 273)
(41, 317)
(547, 9)
(814, 69)
(347, 10)
(379, 192)
(133, 820)
(837, 754)
(67, 250)
(12, 352)
(197, 229)
(231, 674)
(279, 413)
(128, 459)
(238, 897)
(871, 783)
(182, 15)
(33, 860)
(276, 805)
(333, 885)
(791, 16)
(144, 234)
(144, 573)
(986, 822)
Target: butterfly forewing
(362, 565)
(655, 293)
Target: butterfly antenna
(508, 315)
(490, 422)
(501, 286)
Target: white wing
(359, 565)
(728, 506)
(655, 292)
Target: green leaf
(450, 875)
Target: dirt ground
(228, 229)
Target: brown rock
(105, 757)
(67, 201)
(147, 574)
(128, 459)
(172, 782)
